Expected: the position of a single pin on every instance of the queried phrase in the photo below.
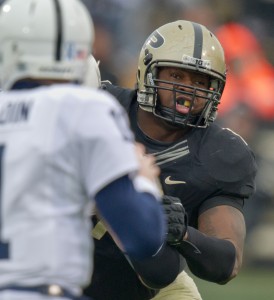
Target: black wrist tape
(208, 258)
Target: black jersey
(209, 167)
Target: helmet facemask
(182, 94)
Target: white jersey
(59, 146)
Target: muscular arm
(227, 223)
(214, 251)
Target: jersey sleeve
(106, 144)
(235, 202)
(230, 163)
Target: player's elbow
(236, 269)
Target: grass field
(250, 284)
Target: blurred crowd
(246, 31)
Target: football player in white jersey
(63, 149)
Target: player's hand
(176, 219)
(148, 167)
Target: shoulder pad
(226, 156)
(123, 95)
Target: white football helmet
(44, 39)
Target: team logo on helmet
(155, 40)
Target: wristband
(144, 185)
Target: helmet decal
(188, 60)
(155, 40)
(150, 78)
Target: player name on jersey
(15, 112)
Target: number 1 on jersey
(4, 247)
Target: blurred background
(246, 30)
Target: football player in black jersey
(210, 170)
